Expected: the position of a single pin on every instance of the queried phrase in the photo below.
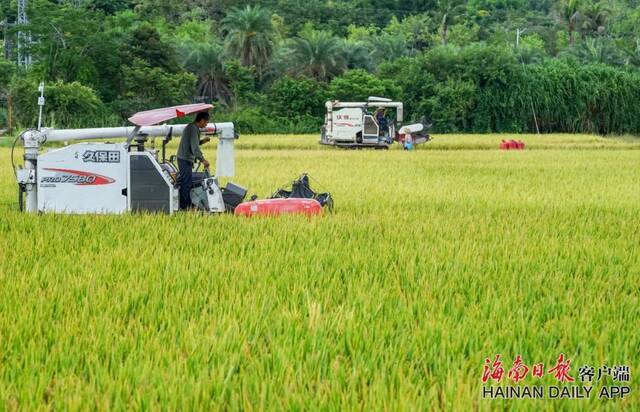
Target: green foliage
(255, 120)
(449, 13)
(595, 17)
(316, 54)
(68, 104)
(69, 36)
(357, 55)
(462, 34)
(387, 47)
(112, 6)
(193, 31)
(415, 29)
(584, 98)
(292, 105)
(250, 36)
(151, 87)
(596, 50)
(453, 61)
(451, 104)
(250, 120)
(146, 45)
(3, 116)
(533, 41)
(7, 69)
(447, 84)
(207, 62)
(482, 88)
(291, 98)
(358, 85)
(242, 81)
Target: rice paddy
(432, 261)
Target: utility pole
(41, 104)
(519, 32)
(24, 39)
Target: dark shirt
(382, 121)
(189, 148)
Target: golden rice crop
(432, 261)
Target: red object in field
(512, 145)
(151, 117)
(276, 207)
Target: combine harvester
(353, 125)
(107, 177)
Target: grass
(432, 261)
(458, 142)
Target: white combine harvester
(105, 177)
(356, 125)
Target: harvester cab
(376, 123)
(108, 177)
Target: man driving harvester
(188, 152)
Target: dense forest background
(468, 66)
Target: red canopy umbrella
(151, 117)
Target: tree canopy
(466, 65)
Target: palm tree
(250, 36)
(631, 54)
(449, 12)
(571, 12)
(388, 47)
(206, 60)
(595, 17)
(316, 54)
(357, 55)
(597, 50)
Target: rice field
(432, 261)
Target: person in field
(381, 118)
(408, 142)
(188, 152)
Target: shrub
(358, 85)
(291, 98)
(68, 105)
